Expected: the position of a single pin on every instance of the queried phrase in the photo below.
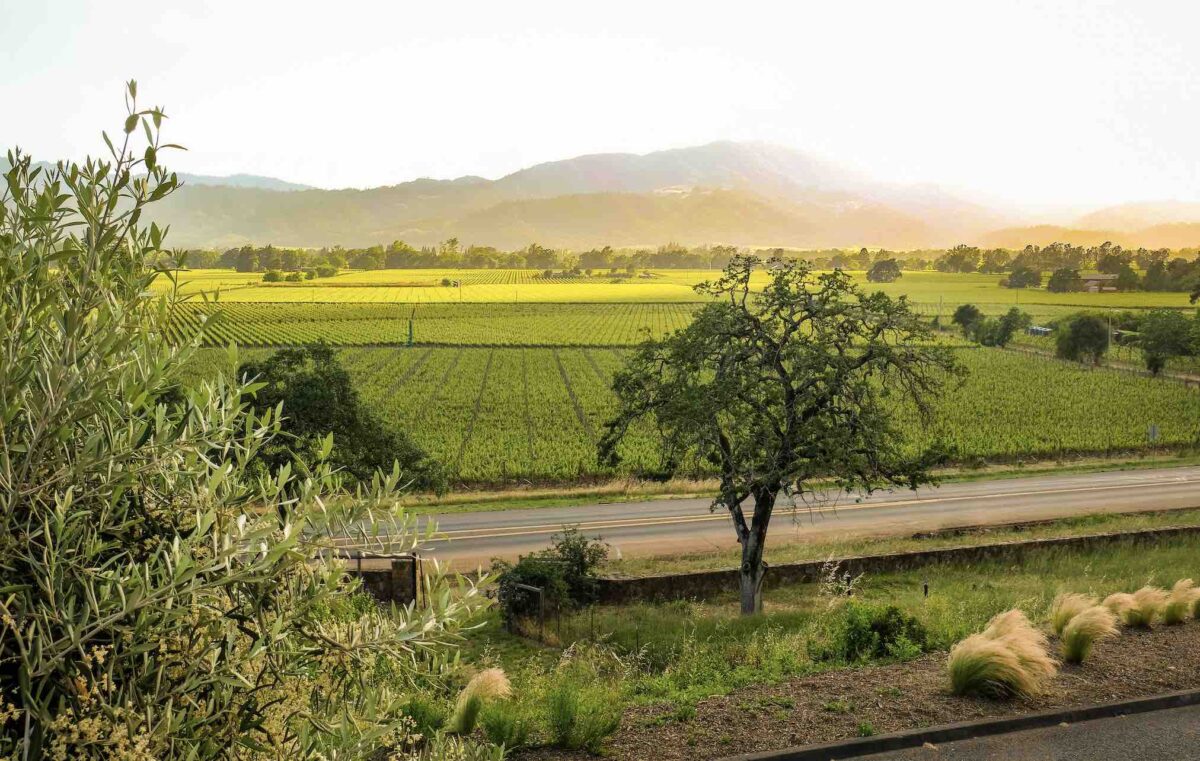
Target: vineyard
(513, 414)
(436, 324)
(508, 375)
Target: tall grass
(1180, 601)
(489, 684)
(1009, 658)
(1065, 607)
(1084, 630)
(1147, 605)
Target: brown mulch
(841, 704)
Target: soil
(852, 702)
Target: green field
(513, 383)
(929, 289)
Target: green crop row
(510, 414)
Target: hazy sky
(1038, 102)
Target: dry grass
(1147, 605)
(1084, 630)
(1065, 607)
(1119, 603)
(1180, 602)
(1009, 658)
(488, 684)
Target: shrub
(295, 277)
(871, 632)
(1147, 604)
(326, 270)
(566, 573)
(165, 596)
(272, 276)
(581, 716)
(506, 723)
(1084, 630)
(428, 715)
(1178, 606)
(1009, 658)
(1065, 607)
(450, 748)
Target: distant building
(1038, 330)
(1098, 282)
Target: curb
(913, 738)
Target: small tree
(1023, 277)
(1163, 334)
(966, 317)
(884, 271)
(780, 387)
(1083, 338)
(319, 399)
(1064, 280)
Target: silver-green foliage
(156, 601)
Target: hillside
(723, 192)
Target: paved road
(664, 526)
(1170, 735)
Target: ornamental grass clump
(489, 684)
(1180, 602)
(1084, 630)
(1148, 603)
(1119, 603)
(1009, 658)
(1065, 607)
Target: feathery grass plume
(1065, 607)
(1119, 603)
(1008, 622)
(983, 666)
(1148, 603)
(1010, 657)
(487, 685)
(1178, 607)
(1084, 630)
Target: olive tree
(804, 379)
(156, 600)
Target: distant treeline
(1160, 269)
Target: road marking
(617, 523)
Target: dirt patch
(848, 703)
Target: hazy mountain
(241, 181)
(1141, 215)
(724, 192)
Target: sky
(1065, 103)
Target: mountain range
(742, 193)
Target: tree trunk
(753, 568)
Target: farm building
(1098, 282)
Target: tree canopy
(776, 387)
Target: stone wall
(701, 584)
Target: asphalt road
(680, 525)
(1169, 735)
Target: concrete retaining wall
(401, 583)
(701, 584)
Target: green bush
(868, 632)
(506, 723)
(580, 716)
(566, 572)
(157, 594)
(427, 714)
(272, 276)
